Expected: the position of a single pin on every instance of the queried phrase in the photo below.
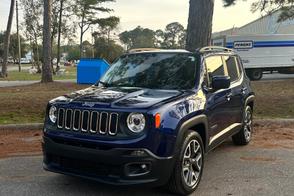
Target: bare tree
(59, 32)
(46, 68)
(7, 40)
(199, 24)
(66, 26)
(33, 29)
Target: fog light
(144, 166)
(138, 169)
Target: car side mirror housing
(220, 82)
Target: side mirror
(220, 82)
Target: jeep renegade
(151, 119)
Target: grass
(274, 99)
(70, 73)
(27, 104)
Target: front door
(219, 111)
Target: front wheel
(244, 136)
(189, 165)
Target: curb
(22, 127)
(274, 121)
(39, 126)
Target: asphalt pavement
(229, 170)
(277, 76)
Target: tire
(255, 74)
(244, 136)
(188, 166)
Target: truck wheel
(255, 74)
(244, 136)
(189, 165)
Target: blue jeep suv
(151, 119)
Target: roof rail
(142, 50)
(215, 49)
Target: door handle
(229, 97)
(243, 90)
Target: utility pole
(18, 38)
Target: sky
(156, 14)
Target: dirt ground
(18, 143)
(266, 136)
(271, 135)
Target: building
(265, 25)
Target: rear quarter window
(234, 70)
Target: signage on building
(243, 44)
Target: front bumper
(115, 166)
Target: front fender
(192, 123)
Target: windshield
(153, 70)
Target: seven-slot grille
(88, 121)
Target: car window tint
(233, 69)
(215, 67)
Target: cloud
(155, 14)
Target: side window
(214, 67)
(240, 65)
(233, 67)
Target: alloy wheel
(248, 124)
(192, 163)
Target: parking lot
(277, 76)
(228, 171)
(265, 167)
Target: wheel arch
(250, 101)
(198, 124)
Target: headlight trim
(136, 122)
(53, 114)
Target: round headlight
(136, 122)
(53, 114)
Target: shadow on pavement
(80, 186)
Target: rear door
(237, 90)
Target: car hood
(119, 97)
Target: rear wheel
(244, 136)
(255, 74)
(189, 165)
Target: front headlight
(53, 114)
(136, 122)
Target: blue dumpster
(89, 71)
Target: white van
(262, 53)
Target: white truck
(262, 53)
